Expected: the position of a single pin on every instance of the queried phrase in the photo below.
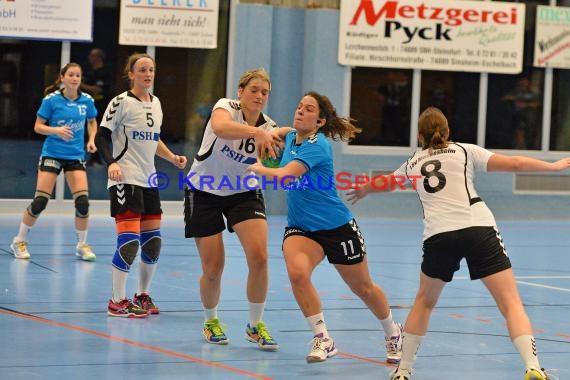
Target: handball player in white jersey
(132, 124)
(457, 225)
(218, 193)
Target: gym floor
(53, 319)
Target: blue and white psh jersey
(220, 166)
(446, 190)
(58, 111)
(135, 127)
(313, 202)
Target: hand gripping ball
(269, 162)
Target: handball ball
(272, 162)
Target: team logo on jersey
(230, 153)
(113, 110)
(235, 105)
(148, 136)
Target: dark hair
(336, 127)
(131, 61)
(433, 128)
(55, 85)
(98, 52)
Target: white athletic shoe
(322, 349)
(20, 249)
(394, 347)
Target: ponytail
(433, 128)
(336, 127)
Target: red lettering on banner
(449, 16)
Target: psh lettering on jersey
(149, 136)
(238, 157)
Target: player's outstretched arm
(359, 192)
(503, 163)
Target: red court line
(365, 359)
(133, 343)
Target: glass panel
(560, 132)
(188, 82)
(381, 103)
(26, 68)
(333, 4)
(514, 107)
(457, 95)
(102, 61)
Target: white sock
(81, 236)
(318, 325)
(146, 272)
(410, 345)
(119, 284)
(389, 326)
(211, 313)
(255, 313)
(526, 346)
(22, 232)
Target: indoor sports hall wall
(299, 49)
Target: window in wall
(457, 95)
(381, 104)
(333, 4)
(560, 132)
(103, 61)
(187, 82)
(514, 102)
(560, 123)
(26, 68)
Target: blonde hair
(258, 73)
(336, 127)
(433, 128)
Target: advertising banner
(552, 41)
(169, 23)
(62, 20)
(475, 36)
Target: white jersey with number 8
(446, 190)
